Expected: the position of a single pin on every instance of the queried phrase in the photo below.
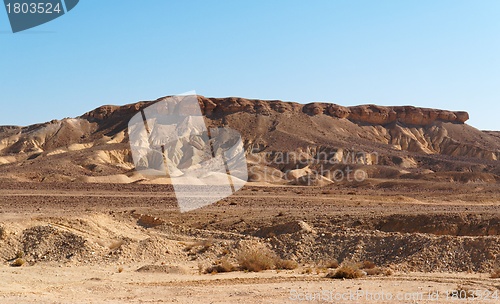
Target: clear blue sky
(439, 53)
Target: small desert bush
(330, 264)
(367, 265)
(285, 264)
(256, 259)
(18, 262)
(374, 271)
(120, 269)
(347, 271)
(370, 268)
(222, 266)
(496, 273)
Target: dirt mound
(50, 244)
(457, 225)
(286, 228)
(401, 251)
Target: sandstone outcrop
(370, 114)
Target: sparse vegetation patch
(347, 271)
(256, 259)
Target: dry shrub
(348, 271)
(367, 265)
(222, 266)
(378, 271)
(330, 264)
(374, 271)
(496, 273)
(285, 264)
(256, 259)
(371, 269)
(120, 269)
(18, 262)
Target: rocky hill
(402, 142)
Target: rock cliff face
(371, 114)
(397, 138)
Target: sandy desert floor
(84, 284)
(103, 243)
